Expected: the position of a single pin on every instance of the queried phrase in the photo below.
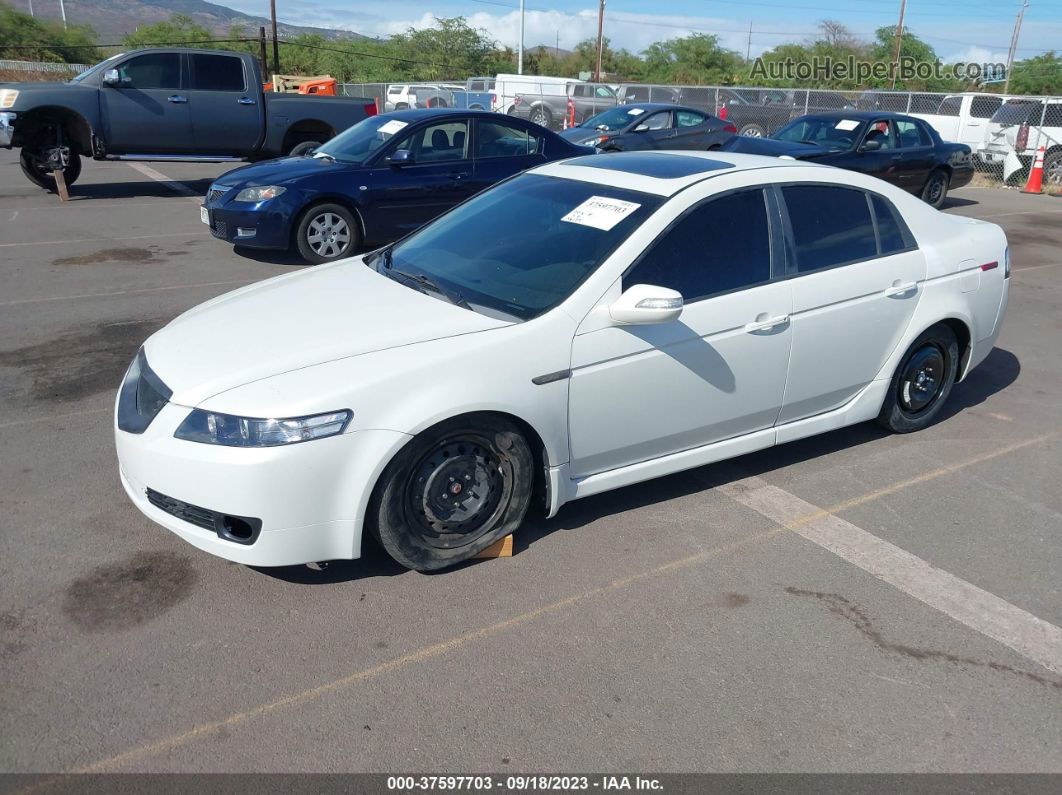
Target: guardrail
(35, 66)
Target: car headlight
(212, 428)
(260, 194)
(8, 97)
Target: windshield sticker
(636, 111)
(600, 212)
(846, 124)
(392, 127)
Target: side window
(604, 91)
(1053, 116)
(831, 225)
(499, 139)
(438, 143)
(724, 244)
(952, 106)
(687, 118)
(912, 134)
(153, 70)
(658, 121)
(984, 107)
(892, 233)
(578, 91)
(881, 132)
(217, 73)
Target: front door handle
(245, 101)
(764, 325)
(899, 288)
(176, 99)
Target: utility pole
(899, 40)
(520, 47)
(556, 50)
(1014, 43)
(600, 39)
(62, 12)
(262, 54)
(31, 8)
(276, 47)
(748, 50)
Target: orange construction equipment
(1036, 174)
(297, 84)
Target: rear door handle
(176, 98)
(764, 325)
(245, 101)
(900, 289)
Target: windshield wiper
(454, 298)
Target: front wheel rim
(456, 492)
(923, 379)
(540, 119)
(328, 235)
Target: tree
(695, 59)
(179, 29)
(24, 38)
(1039, 75)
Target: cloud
(978, 55)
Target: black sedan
(899, 149)
(651, 125)
(376, 181)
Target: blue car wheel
(326, 232)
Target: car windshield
(97, 68)
(613, 119)
(358, 143)
(522, 247)
(834, 134)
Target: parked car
(405, 97)
(963, 118)
(754, 113)
(898, 101)
(651, 126)
(899, 149)
(556, 106)
(165, 104)
(476, 94)
(584, 326)
(377, 181)
(1023, 126)
(638, 93)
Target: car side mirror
(870, 146)
(401, 157)
(112, 78)
(644, 304)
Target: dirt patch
(120, 596)
(78, 363)
(735, 600)
(141, 256)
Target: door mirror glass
(401, 157)
(643, 304)
(870, 146)
(111, 77)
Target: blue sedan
(375, 182)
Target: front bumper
(310, 497)
(254, 228)
(7, 129)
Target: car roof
(660, 173)
(651, 106)
(420, 114)
(858, 115)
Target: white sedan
(583, 326)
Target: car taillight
(1022, 140)
(730, 128)
(371, 109)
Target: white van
(963, 118)
(506, 87)
(1022, 126)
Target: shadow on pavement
(135, 190)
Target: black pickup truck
(165, 104)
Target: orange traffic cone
(1036, 175)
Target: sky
(971, 30)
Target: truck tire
(303, 148)
(753, 130)
(542, 117)
(35, 172)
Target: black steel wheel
(38, 170)
(936, 189)
(453, 491)
(922, 382)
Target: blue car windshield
(358, 143)
(522, 247)
(829, 133)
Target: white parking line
(167, 182)
(100, 239)
(123, 292)
(978, 609)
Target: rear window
(1018, 111)
(892, 232)
(217, 73)
(831, 226)
(951, 106)
(984, 107)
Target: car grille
(142, 396)
(193, 514)
(215, 193)
(220, 229)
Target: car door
(652, 131)
(226, 116)
(717, 372)
(438, 177)
(973, 128)
(883, 162)
(691, 131)
(917, 154)
(147, 111)
(857, 276)
(503, 147)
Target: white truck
(963, 118)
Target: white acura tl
(583, 326)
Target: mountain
(113, 18)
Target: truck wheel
(325, 233)
(303, 148)
(37, 172)
(1053, 168)
(542, 117)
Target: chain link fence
(1004, 133)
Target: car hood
(280, 170)
(773, 148)
(294, 321)
(583, 135)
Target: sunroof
(661, 165)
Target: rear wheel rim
(456, 492)
(1053, 172)
(752, 132)
(328, 235)
(540, 119)
(934, 189)
(923, 379)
